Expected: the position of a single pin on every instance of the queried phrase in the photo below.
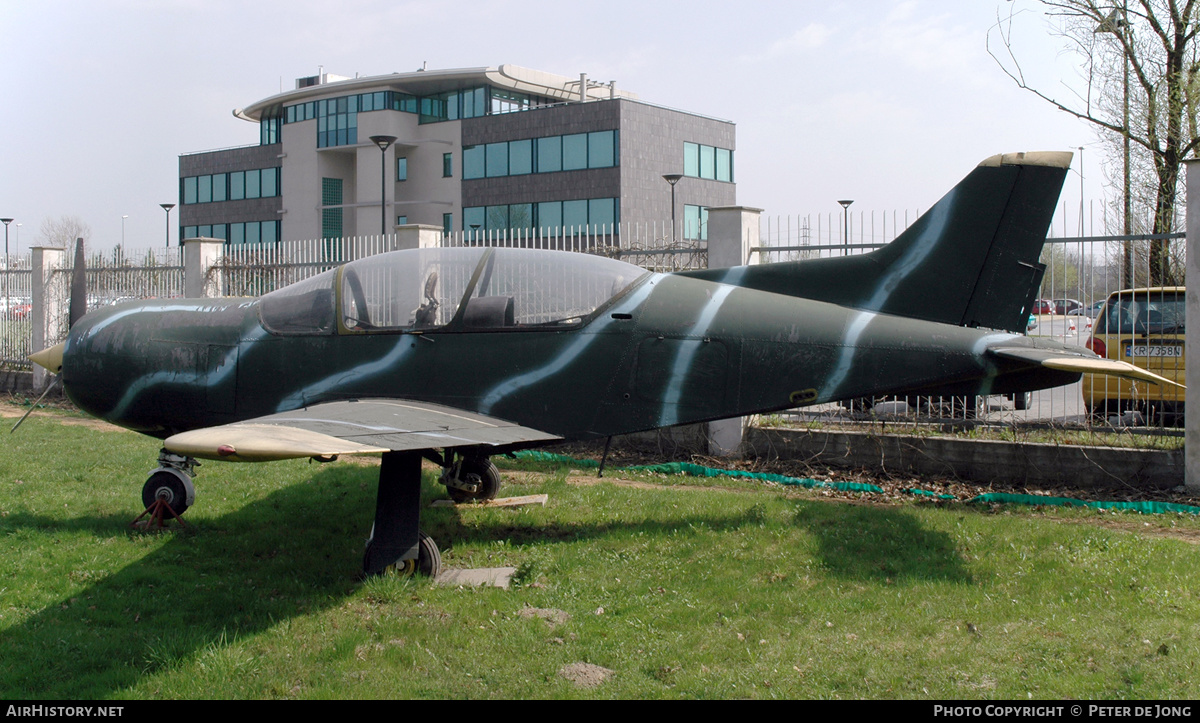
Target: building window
(695, 223)
(447, 165)
(700, 161)
(596, 215)
(447, 223)
(401, 220)
(401, 168)
(331, 218)
(577, 151)
(234, 186)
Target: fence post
(732, 232)
(48, 290)
(1191, 410)
(203, 270)
(418, 236)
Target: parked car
(1146, 328)
(15, 308)
(1091, 311)
(1043, 306)
(1066, 306)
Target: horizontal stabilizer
(1067, 362)
(351, 427)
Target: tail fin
(971, 260)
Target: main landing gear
(397, 543)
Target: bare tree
(1142, 86)
(62, 231)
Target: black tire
(428, 562)
(481, 472)
(1022, 401)
(168, 487)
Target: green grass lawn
(682, 591)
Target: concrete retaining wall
(973, 459)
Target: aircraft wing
(1089, 364)
(350, 427)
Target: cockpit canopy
(457, 289)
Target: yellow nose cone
(49, 359)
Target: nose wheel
(169, 492)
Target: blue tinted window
(237, 185)
(549, 216)
(269, 176)
(237, 233)
(520, 157)
(447, 165)
(691, 159)
(253, 184)
(189, 189)
(204, 190)
(601, 151)
(574, 214)
(549, 154)
(708, 162)
(520, 216)
(497, 160)
(497, 218)
(402, 168)
(724, 165)
(474, 162)
(602, 214)
(473, 218)
(575, 151)
(218, 187)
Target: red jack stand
(155, 520)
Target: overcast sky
(887, 102)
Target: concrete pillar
(203, 268)
(732, 232)
(50, 287)
(1191, 410)
(417, 236)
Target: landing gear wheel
(483, 474)
(428, 562)
(167, 487)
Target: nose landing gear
(169, 491)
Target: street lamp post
(672, 178)
(123, 231)
(167, 207)
(7, 270)
(383, 142)
(846, 225)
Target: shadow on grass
(293, 553)
(879, 544)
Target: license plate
(1154, 350)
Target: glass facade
(577, 151)
(249, 232)
(235, 186)
(714, 164)
(331, 218)
(548, 217)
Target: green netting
(697, 470)
(1144, 507)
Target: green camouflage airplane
(454, 354)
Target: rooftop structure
(472, 148)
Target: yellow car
(1144, 327)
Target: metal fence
(1079, 270)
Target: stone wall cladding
(226, 161)
(652, 141)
